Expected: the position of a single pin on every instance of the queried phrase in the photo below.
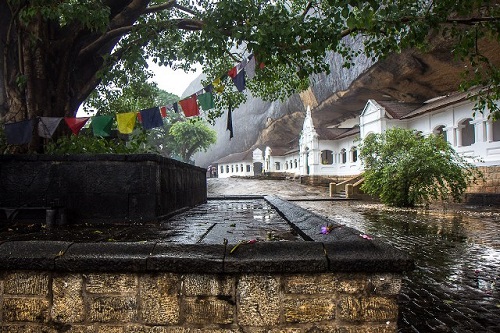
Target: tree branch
(159, 8)
(473, 20)
(95, 45)
(169, 5)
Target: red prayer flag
(139, 117)
(190, 106)
(163, 111)
(233, 72)
(76, 124)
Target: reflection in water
(455, 286)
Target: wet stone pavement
(455, 286)
(215, 222)
(456, 283)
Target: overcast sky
(174, 82)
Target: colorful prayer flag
(233, 72)
(151, 118)
(163, 111)
(47, 126)
(218, 86)
(101, 125)
(190, 106)
(206, 101)
(230, 121)
(250, 68)
(19, 133)
(126, 122)
(239, 80)
(76, 124)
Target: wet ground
(215, 222)
(456, 284)
(454, 288)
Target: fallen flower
(325, 230)
(365, 236)
(252, 241)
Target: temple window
(326, 157)
(354, 154)
(468, 135)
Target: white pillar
(489, 131)
(458, 131)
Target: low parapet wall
(335, 282)
(101, 188)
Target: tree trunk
(45, 72)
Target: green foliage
(127, 91)
(185, 138)
(84, 144)
(111, 43)
(292, 38)
(405, 168)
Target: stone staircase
(349, 188)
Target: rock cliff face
(407, 77)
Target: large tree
(56, 52)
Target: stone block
(206, 311)
(208, 285)
(310, 284)
(26, 283)
(110, 329)
(16, 328)
(258, 298)
(26, 309)
(307, 310)
(105, 309)
(386, 284)
(68, 304)
(108, 283)
(373, 309)
(349, 308)
(79, 329)
(379, 309)
(159, 294)
(352, 283)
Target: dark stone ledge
(342, 250)
(36, 255)
(104, 257)
(264, 257)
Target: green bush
(83, 144)
(405, 168)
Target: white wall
(485, 131)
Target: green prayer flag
(101, 125)
(206, 101)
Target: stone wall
(101, 188)
(323, 180)
(41, 301)
(487, 192)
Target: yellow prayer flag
(218, 86)
(126, 122)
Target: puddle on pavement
(210, 223)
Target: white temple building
(334, 151)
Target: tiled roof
(353, 131)
(330, 133)
(443, 102)
(398, 110)
(236, 157)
